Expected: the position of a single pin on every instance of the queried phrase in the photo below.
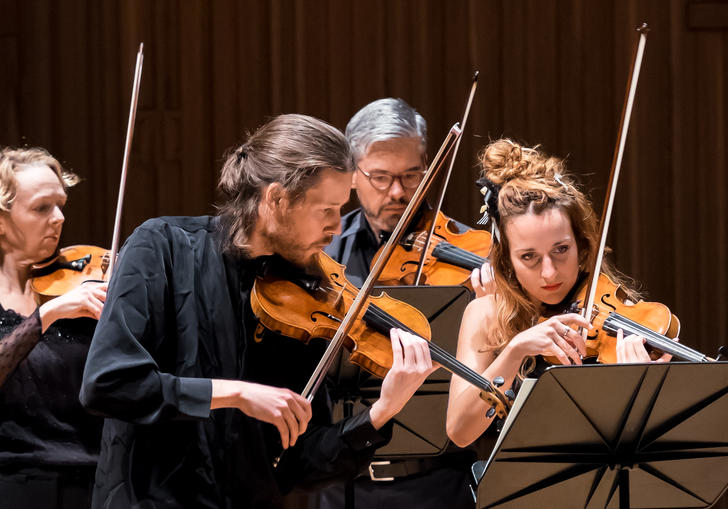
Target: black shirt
(355, 247)
(177, 315)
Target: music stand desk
(608, 436)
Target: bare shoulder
(478, 321)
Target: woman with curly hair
(546, 240)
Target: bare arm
(466, 414)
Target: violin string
(454, 250)
(660, 341)
(471, 259)
(439, 354)
(419, 242)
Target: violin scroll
(500, 402)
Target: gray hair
(291, 150)
(384, 119)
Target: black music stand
(608, 436)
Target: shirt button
(368, 443)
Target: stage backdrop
(551, 73)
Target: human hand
(632, 349)
(482, 280)
(411, 365)
(286, 410)
(554, 337)
(86, 300)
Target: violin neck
(448, 253)
(383, 322)
(615, 321)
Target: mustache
(400, 201)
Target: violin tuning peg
(498, 381)
(490, 413)
(510, 394)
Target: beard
(284, 242)
(382, 219)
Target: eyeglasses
(383, 181)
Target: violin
(73, 266)
(613, 311)
(450, 256)
(304, 305)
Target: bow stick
(423, 254)
(127, 152)
(616, 167)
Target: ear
(274, 197)
(354, 177)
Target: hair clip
(241, 154)
(490, 200)
(557, 177)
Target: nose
(58, 217)
(396, 191)
(334, 226)
(548, 270)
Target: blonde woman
(48, 444)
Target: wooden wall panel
(552, 73)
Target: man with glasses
(389, 141)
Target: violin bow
(446, 181)
(127, 152)
(616, 167)
(347, 322)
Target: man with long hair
(188, 379)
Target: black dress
(48, 444)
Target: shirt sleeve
(336, 452)
(17, 344)
(122, 379)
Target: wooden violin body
(450, 257)
(300, 308)
(73, 266)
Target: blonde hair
(13, 160)
(528, 181)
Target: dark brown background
(552, 73)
